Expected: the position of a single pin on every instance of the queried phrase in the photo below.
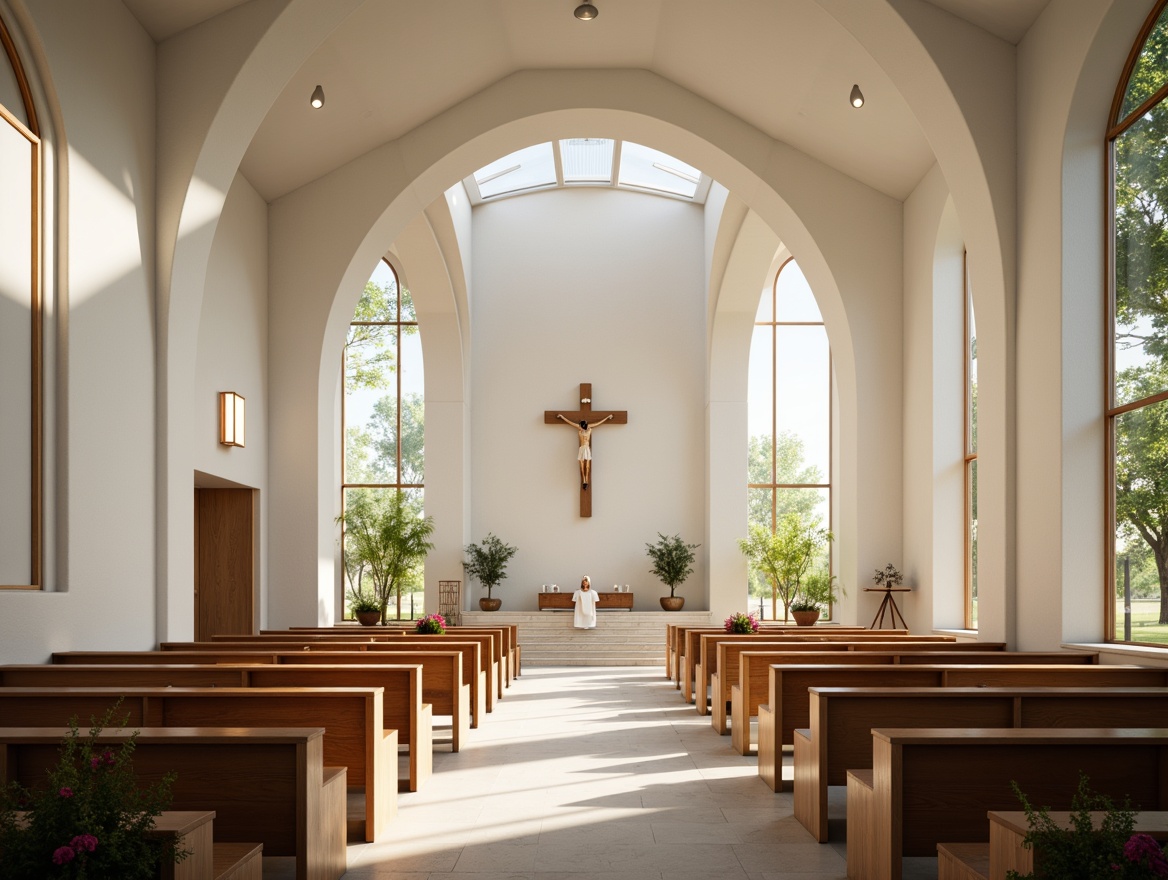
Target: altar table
(608, 601)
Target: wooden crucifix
(591, 419)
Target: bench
(929, 786)
(193, 831)
(788, 701)
(473, 676)
(267, 785)
(351, 718)
(402, 703)
(754, 673)
(839, 738)
(693, 645)
(377, 642)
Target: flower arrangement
(741, 623)
(91, 819)
(1098, 845)
(433, 624)
(888, 577)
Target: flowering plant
(1098, 845)
(91, 820)
(888, 577)
(741, 623)
(431, 623)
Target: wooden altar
(608, 601)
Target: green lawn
(1145, 625)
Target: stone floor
(598, 773)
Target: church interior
(648, 201)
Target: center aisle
(590, 772)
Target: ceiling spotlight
(857, 97)
(317, 99)
(586, 12)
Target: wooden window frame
(774, 324)
(31, 131)
(1116, 127)
(969, 451)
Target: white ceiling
(784, 66)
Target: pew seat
(268, 785)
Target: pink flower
(107, 756)
(66, 792)
(1143, 849)
(63, 854)
(94, 762)
(84, 843)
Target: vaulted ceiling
(783, 66)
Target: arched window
(1137, 356)
(970, 433)
(21, 333)
(382, 418)
(789, 418)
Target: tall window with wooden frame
(383, 430)
(790, 422)
(970, 433)
(1137, 351)
(21, 333)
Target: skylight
(587, 161)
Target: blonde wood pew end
(963, 861)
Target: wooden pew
(711, 675)
(376, 642)
(788, 703)
(439, 686)
(693, 645)
(402, 703)
(840, 738)
(754, 673)
(932, 786)
(445, 700)
(194, 832)
(354, 737)
(266, 785)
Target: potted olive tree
(387, 537)
(817, 592)
(488, 564)
(672, 564)
(785, 556)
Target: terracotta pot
(368, 618)
(805, 618)
(490, 604)
(672, 603)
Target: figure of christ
(584, 429)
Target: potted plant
(91, 819)
(816, 592)
(743, 624)
(387, 536)
(672, 564)
(431, 624)
(488, 564)
(365, 608)
(785, 556)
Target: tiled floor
(590, 772)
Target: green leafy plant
(1098, 845)
(361, 602)
(887, 577)
(818, 591)
(672, 560)
(90, 820)
(738, 622)
(488, 561)
(387, 535)
(786, 556)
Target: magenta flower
(66, 792)
(84, 843)
(1143, 849)
(63, 854)
(94, 762)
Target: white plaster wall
(595, 286)
(102, 66)
(233, 351)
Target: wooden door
(224, 562)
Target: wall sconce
(232, 420)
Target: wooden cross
(585, 414)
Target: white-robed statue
(585, 600)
